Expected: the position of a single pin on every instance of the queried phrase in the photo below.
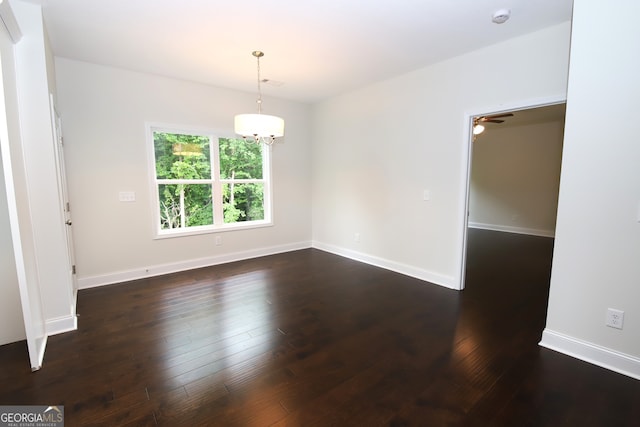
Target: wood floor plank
(314, 339)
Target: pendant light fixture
(260, 128)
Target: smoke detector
(501, 16)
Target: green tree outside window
(192, 194)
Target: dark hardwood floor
(309, 338)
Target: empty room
(329, 213)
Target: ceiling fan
(478, 128)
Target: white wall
(103, 112)
(597, 249)
(11, 323)
(515, 177)
(50, 64)
(375, 150)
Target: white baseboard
(61, 324)
(592, 353)
(511, 229)
(41, 346)
(157, 270)
(160, 269)
(407, 270)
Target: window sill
(195, 231)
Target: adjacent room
(320, 213)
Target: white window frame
(215, 182)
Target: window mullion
(183, 181)
(218, 215)
(242, 181)
(183, 215)
(266, 171)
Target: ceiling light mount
(477, 127)
(262, 128)
(501, 16)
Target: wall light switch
(426, 195)
(127, 196)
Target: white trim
(601, 356)
(160, 269)
(465, 170)
(214, 181)
(407, 270)
(209, 229)
(41, 346)
(9, 21)
(465, 190)
(60, 325)
(510, 229)
(34, 328)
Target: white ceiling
(317, 48)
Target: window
(204, 182)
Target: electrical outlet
(218, 240)
(615, 318)
(356, 237)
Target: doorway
(513, 176)
(63, 193)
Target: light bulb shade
(259, 125)
(478, 129)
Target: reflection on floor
(310, 338)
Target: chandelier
(259, 128)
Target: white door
(62, 191)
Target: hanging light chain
(258, 54)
